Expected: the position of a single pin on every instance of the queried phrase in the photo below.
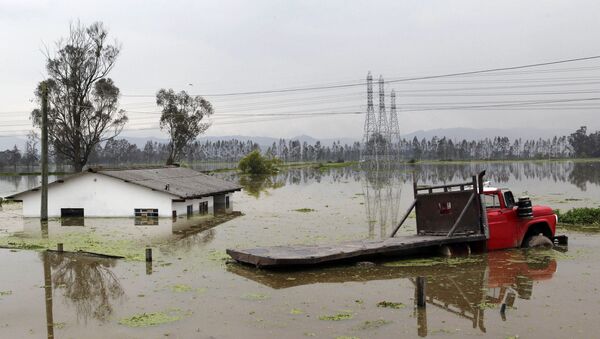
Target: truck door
(502, 229)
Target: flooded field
(190, 290)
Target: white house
(147, 192)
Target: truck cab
(507, 229)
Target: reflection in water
(466, 288)
(382, 191)
(254, 185)
(87, 282)
(196, 232)
(576, 173)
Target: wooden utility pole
(44, 204)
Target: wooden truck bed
(445, 214)
(285, 256)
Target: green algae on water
(72, 242)
(181, 288)
(391, 304)
(372, 324)
(4, 293)
(151, 319)
(304, 210)
(337, 317)
(255, 296)
(296, 311)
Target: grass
(580, 216)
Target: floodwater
(191, 291)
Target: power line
(362, 83)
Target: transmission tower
(370, 121)
(383, 129)
(394, 136)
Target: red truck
(508, 229)
(454, 218)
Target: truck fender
(534, 229)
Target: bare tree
(83, 100)
(181, 118)
(31, 149)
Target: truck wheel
(538, 241)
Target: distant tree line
(117, 152)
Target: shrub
(255, 163)
(580, 216)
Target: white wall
(181, 206)
(99, 196)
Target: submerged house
(147, 192)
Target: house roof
(183, 183)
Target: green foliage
(84, 101)
(255, 163)
(182, 118)
(580, 216)
(585, 145)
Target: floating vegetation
(372, 324)
(59, 326)
(181, 288)
(337, 317)
(255, 296)
(152, 319)
(305, 210)
(216, 255)
(391, 304)
(486, 305)
(296, 311)
(5, 293)
(88, 241)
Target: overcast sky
(236, 46)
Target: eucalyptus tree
(183, 118)
(83, 99)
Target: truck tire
(539, 240)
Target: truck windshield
(491, 201)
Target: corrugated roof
(182, 182)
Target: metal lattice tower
(394, 128)
(370, 119)
(383, 129)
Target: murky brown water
(547, 293)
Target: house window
(146, 216)
(146, 212)
(227, 202)
(71, 212)
(190, 209)
(203, 207)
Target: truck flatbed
(445, 215)
(303, 255)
